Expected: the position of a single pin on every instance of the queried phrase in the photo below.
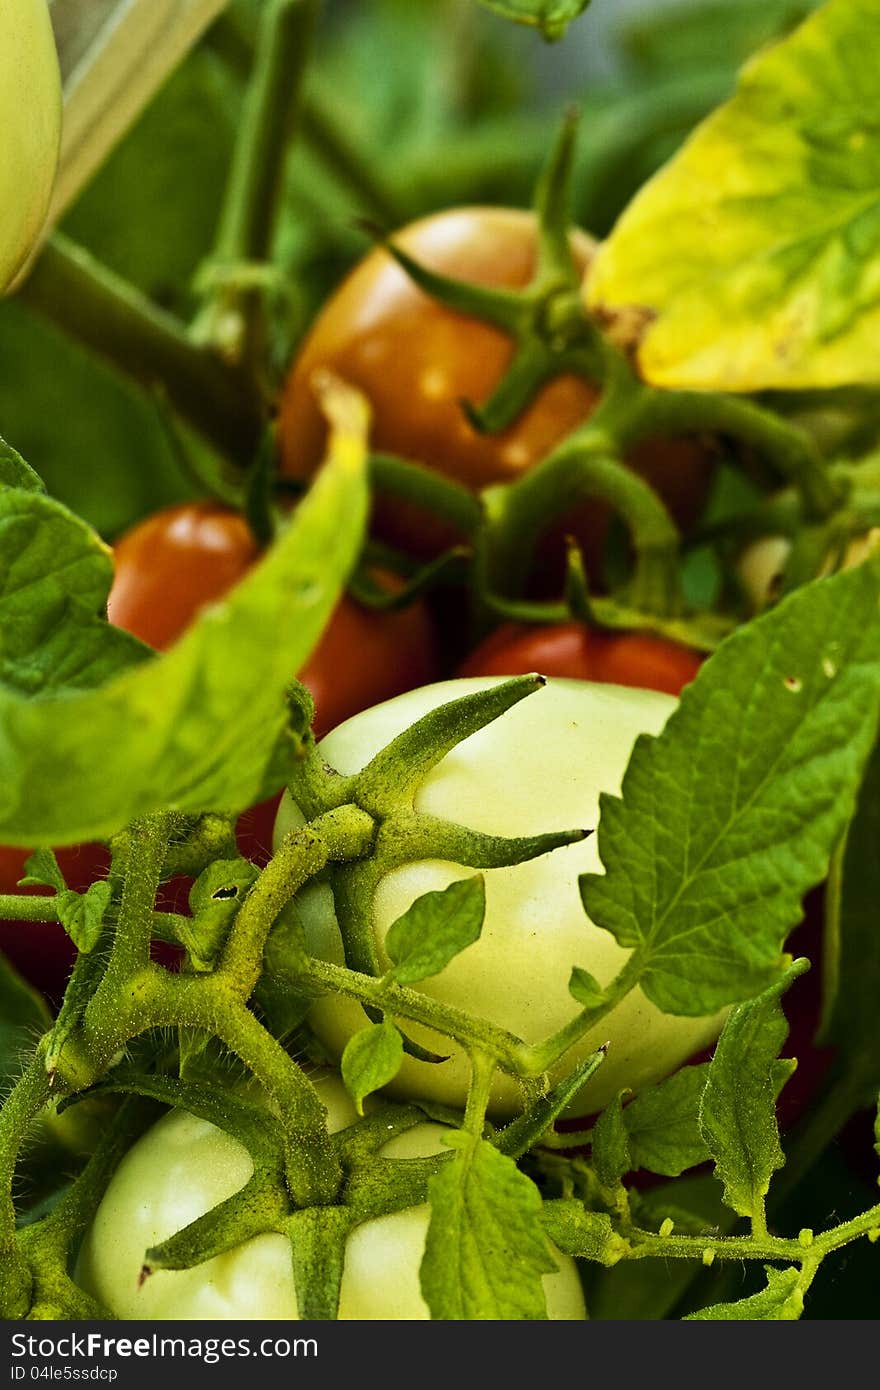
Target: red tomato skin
(584, 653)
(417, 360)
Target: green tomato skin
(541, 767)
(183, 1167)
(30, 128)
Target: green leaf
(23, 1017)
(851, 957)
(781, 1301)
(372, 1058)
(14, 472)
(753, 254)
(486, 1251)
(435, 929)
(610, 1141)
(550, 17)
(585, 1234)
(663, 1124)
(82, 914)
(41, 871)
(215, 899)
(738, 1110)
(55, 574)
(731, 814)
(585, 988)
(202, 726)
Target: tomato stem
(233, 321)
(149, 346)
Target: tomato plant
(418, 360)
(184, 1166)
(30, 117)
(543, 766)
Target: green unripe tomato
(30, 128)
(183, 1167)
(540, 767)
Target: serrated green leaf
(754, 252)
(731, 814)
(372, 1058)
(663, 1124)
(851, 958)
(435, 929)
(486, 1251)
(781, 1301)
(738, 1110)
(610, 1144)
(585, 988)
(206, 724)
(550, 17)
(14, 472)
(23, 1018)
(55, 574)
(82, 914)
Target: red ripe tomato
(574, 649)
(417, 360)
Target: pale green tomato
(183, 1167)
(761, 566)
(540, 767)
(30, 128)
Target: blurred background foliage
(412, 105)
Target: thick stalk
(150, 347)
(25, 1102)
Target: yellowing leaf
(755, 253)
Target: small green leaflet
(732, 813)
(371, 1059)
(781, 1301)
(586, 989)
(852, 943)
(206, 724)
(82, 914)
(588, 1235)
(755, 254)
(610, 1144)
(550, 17)
(662, 1123)
(215, 899)
(41, 871)
(738, 1110)
(486, 1252)
(435, 929)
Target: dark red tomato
(584, 653)
(417, 360)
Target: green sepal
(318, 1237)
(516, 1138)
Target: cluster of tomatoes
(416, 361)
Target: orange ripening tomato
(573, 649)
(416, 361)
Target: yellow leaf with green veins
(755, 253)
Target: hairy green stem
(150, 347)
(27, 1099)
(542, 1056)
